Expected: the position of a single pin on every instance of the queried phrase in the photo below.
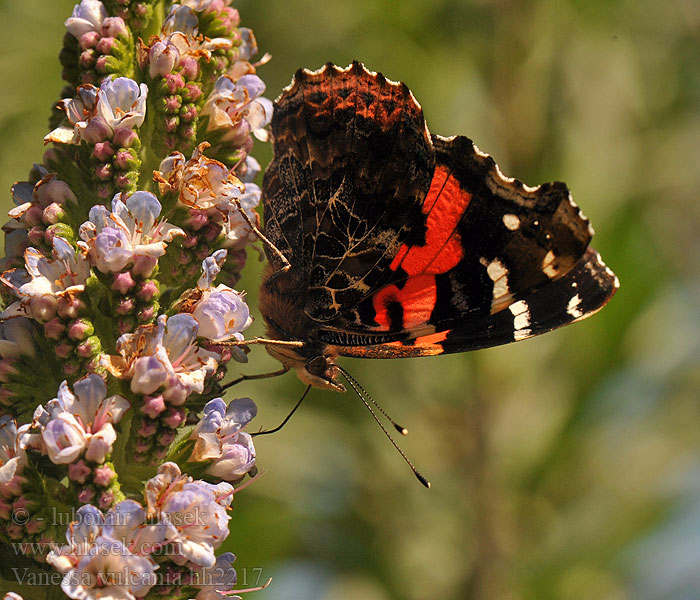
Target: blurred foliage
(562, 467)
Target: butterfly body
(401, 243)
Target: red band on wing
(417, 299)
(444, 204)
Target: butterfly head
(313, 366)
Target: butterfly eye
(317, 365)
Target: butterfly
(386, 241)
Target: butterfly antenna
(356, 384)
(359, 391)
(286, 419)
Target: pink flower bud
(104, 476)
(104, 172)
(125, 306)
(71, 367)
(144, 265)
(174, 417)
(106, 499)
(188, 113)
(64, 349)
(190, 241)
(192, 92)
(124, 137)
(35, 525)
(43, 308)
(126, 325)
(87, 59)
(143, 445)
(69, 307)
(80, 329)
(173, 83)
(54, 328)
(147, 429)
(198, 219)
(33, 216)
(147, 290)
(15, 531)
(171, 104)
(115, 27)
(90, 347)
(123, 181)
(36, 235)
(165, 438)
(79, 471)
(89, 40)
(103, 151)
(153, 406)
(147, 314)
(189, 67)
(6, 397)
(170, 124)
(53, 213)
(97, 130)
(86, 495)
(126, 160)
(123, 282)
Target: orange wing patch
(444, 206)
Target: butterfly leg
(261, 236)
(281, 371)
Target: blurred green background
(567, 466)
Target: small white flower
(196, 519)
(221, 312)
(16, 337)
(82, 421)
(12, 456)
(131, 229)
(237, 109)
(167, 356)
(236, 228)
(87, 16)
(219, 437)
(122, 102)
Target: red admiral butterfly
(391, 242)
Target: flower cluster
(120, 314)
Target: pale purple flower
(122, 102)
(96, 113)
(80, 535)
(107, 570)
(82, 421)
(219, 437)
(170, 358)
(220, 311)
(221, 577)
(16, 337)
(116, 238)
(236, 109)
(237, 230)
(126, 523)
(47, 279)
(196, 519)
(87, 16)
(12, 456)
(183, 20)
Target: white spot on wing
(499, 275)
(547, 265)
(511, 221)
(521, 319)
(572, 307)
